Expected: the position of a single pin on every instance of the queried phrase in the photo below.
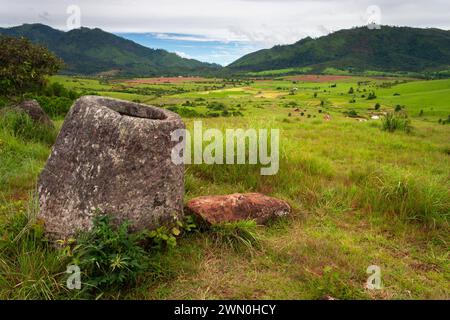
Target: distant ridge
(385, 49)
(92, 51)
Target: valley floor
(361, 196)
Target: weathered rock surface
(238, 206)
(34, 110)
(113, 156)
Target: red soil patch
(318, 78)
(166, 80)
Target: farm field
(360, 195)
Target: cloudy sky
(223, 30)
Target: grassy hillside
(388, 49)
(360, 195)
(91, 51)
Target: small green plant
(337, 285)
(188, 225)
(237, 235)
(371, 96)
(377, 106)
(163, 237)
(109, 256)
(396, 121)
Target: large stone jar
(114, 157)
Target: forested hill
(92, 51)
(384, 49)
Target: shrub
(213, 114)
(396, 121)
(185, 112)
(217, 106)
(351, 113)
(291, 104)
(24, 66)
(371, 96)
(109, 257)
(55, 107)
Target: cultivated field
(360, 195)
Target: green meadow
(360, 195)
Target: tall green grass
(24, 148)
(393, 121)
(410, 196)
(236, 235)
(22, 126)
(30, 268)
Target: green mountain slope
(92, 51)
(385, 49)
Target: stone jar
(113, 157)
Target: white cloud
(266, 22)
(182, 37)
(183, 54)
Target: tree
(24, 66)
(371, 96)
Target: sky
(221, 31)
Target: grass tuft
(21, 125)
(396, 121)
(237, 235)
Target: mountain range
(93, 51)
(361, 49)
